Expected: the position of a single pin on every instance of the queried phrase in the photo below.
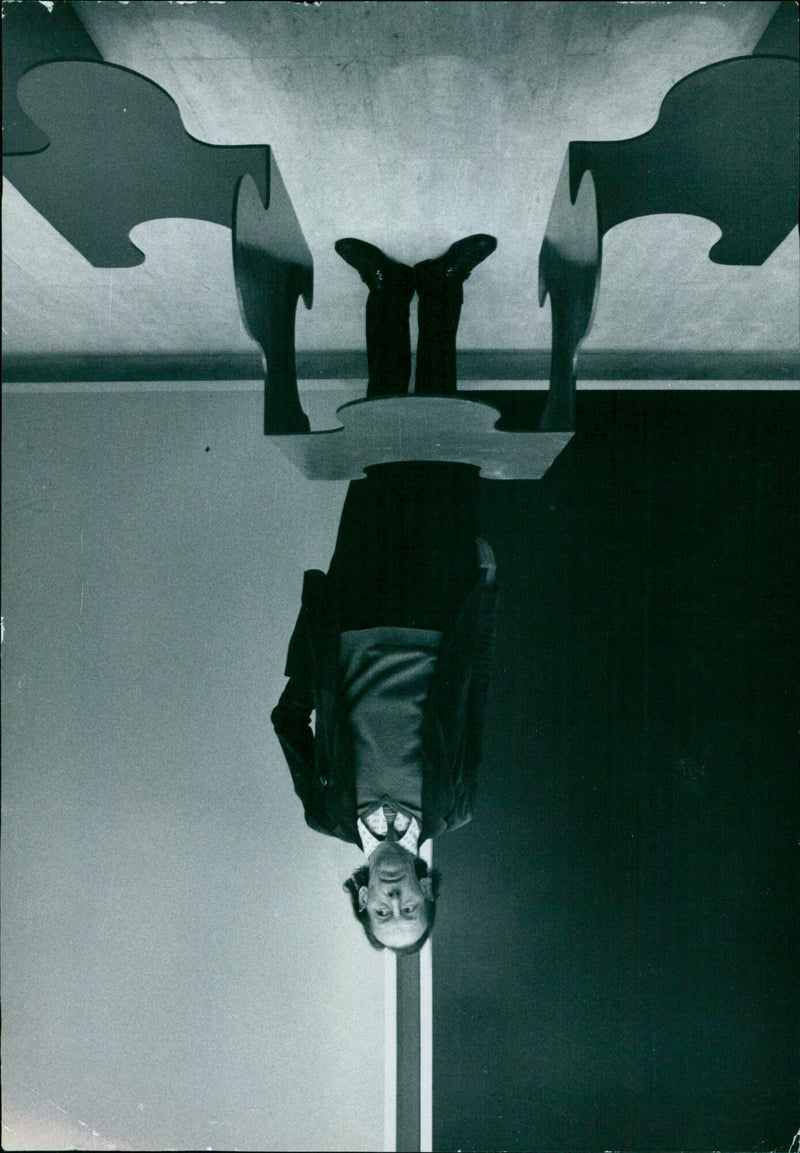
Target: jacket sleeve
(291, 719)
(480, 677)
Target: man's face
(395, 898)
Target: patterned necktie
(391, 816)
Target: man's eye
(409, 909)
(381, 913)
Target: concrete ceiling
(408, 124)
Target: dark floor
(615, 962)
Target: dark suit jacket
(320, 760)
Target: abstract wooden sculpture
(32, 35)
(273, 269)
(118, 155)
(381, 430)
(724, 146)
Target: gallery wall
(180, 966)
(615, 964)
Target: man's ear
(426, 884)
(362, 898)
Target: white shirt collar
(369, 841)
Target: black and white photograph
(400, 634)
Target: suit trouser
(405, 554)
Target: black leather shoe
(376, 269)
(458, 262)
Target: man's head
(394, 898)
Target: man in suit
(391, 650)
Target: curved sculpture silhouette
(33, 35)
(272, 268)
(120, 155)
(724, 147)
(383, 430)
